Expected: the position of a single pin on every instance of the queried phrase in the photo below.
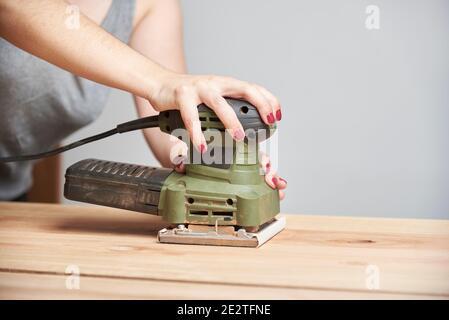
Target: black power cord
(142, 123)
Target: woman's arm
(158, 35)
(39, 27)
(89, 51)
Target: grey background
(366, 112)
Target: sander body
(215, 202)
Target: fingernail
(239, 134)
(179, 165)
(275, 181)
(268, 166)
(178, 160)
(279, 115)
(270, 118)
(285, 181)
(202, 148)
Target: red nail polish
(275, 180)
(270, 118)
(202, 148)
(267, 167)
(279, 115)
(239, 135)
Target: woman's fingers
(271, 179)
(179, 163)
(225, 112)
(274, 181)
(281, 195)
(211, 90)
(281, 183)
(181, 168)
(277, 182)
(187, 102)
(264, 162)
(272, 100)
(178, 155)
(240, 89)
(255, 97)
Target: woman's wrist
(149, 79)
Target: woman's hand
(186, 92)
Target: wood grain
(315, 257)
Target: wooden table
(42, 247)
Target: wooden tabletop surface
(43, 247)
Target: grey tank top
(42, 104)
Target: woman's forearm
(153, 28)
(40, 27)
(85, 49)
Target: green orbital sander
(222, 199)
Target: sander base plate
(216, 237)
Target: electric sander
(222, 199)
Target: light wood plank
(328, 254)
(41, 286)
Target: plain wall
(366, 112)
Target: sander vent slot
(199, 213)
(223, 214)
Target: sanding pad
(221, 236)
